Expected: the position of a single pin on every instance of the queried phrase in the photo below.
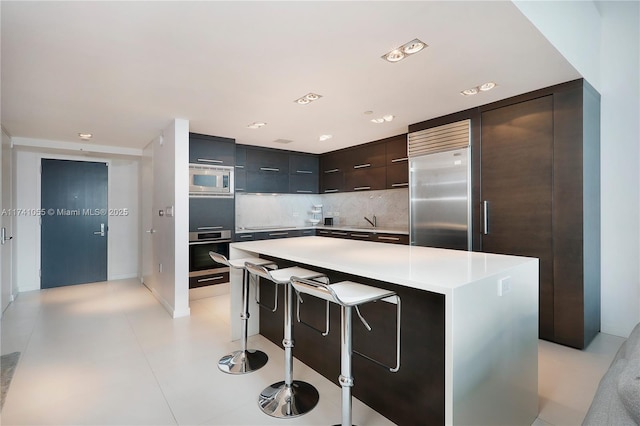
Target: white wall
(7, 291)
(122, 252)
(169, 279)
(602, 41)
(124, 231)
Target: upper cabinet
(303, 173)
(275, 171)
(397, 162)
(376, 165)
(212, 150)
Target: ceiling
(123, 70)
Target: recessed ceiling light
(414, 46)
(482, 88)
(377, 120)
(323, 138)
(368, 112)
(487, 86)
(85, 136)
(388, 117)
(309, 97)
(256, 125)
(394, 56)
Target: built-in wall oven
(203, 270)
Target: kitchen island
(469, 328)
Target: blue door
(74, 222)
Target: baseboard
(170, 309)
(122, 277)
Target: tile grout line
(164, 396)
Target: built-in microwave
(210, 181)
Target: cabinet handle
(207, 160)
(338, 233)
(330, 190)
(303, 191)
(278, 234)
(269, 169)
(304, 171)
(239, 167)
(324, 232)
(389, 238)
(361, 188)
(204, 228)
(396, 185)
(485, 217)
(332, 171)
(361, 235)
(361, 166)
(202, 280)
(246, 236)
(397, 160)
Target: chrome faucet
(373, 223)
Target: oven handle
(193, 243)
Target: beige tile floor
(109, 354)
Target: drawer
(209, 279)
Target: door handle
(3, 236)
(151, 231)
(101, 231)
(485, 217)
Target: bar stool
(289, 398)
(245, 360)
(349, 295)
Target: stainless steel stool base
(242, 362)
(285, 402)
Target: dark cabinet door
(398, 175)
(212, 150)
(397, 162)
(517, 162)
(366, 179)
(268, 181)
(241, 169)
(211, 214)
(303, 174)
(366, 156)
(332, 181)
(267, 160)
(267, 171)
(303, 164)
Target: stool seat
(345, 293)
(239, 263)
(283, 276)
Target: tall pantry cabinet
(540, 197)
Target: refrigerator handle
(485, 217)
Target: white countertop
(424, 268)
(378, 230)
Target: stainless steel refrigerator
(440, 186)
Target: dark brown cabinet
(332, 167)
(212, 150)
(397, 162)
(375, 165)
(540, 178)
(517, 162)
(303, 174)
(275, 171)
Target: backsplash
(391, 208)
